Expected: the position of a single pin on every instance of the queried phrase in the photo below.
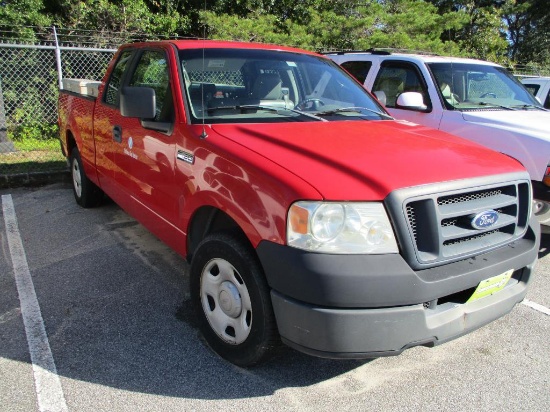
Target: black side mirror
(138, 102)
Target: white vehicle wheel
(232, 300)
(86, 193)
(77, 178)
(225, 301)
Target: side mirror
(411, 101)
(138, 102)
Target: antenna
(203, 135)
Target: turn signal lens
(298, 219)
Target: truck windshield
(477, 86)
(250, 86)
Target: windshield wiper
(532, 106)
(496, 105)
(279, 110)
(354, 110)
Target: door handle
(117, 134)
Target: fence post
(58, 60)
(6, 145)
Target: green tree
(410, 24)
(130, 18)
(483, 32)
(529, 30)
(17, 17)
(489, 29)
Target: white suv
(474, 99)
(539, 87)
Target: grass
(33, 155)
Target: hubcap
(226, 301)
(230, 300)
(77, 178)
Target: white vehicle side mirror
(411, 101)
(538, 99)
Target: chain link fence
(30, 77)
(531, 71)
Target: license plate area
(490, 286)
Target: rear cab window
(533, 88)
(358, 69)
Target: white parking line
(48, 386)
(536, 306)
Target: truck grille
(440, 227)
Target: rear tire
(232, 301)
(86, 193)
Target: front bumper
(368, 306)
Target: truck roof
(220, 44)
(534, 79)
(416, 57)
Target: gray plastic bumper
(368, 306)
(366, 333)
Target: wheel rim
(77, 179)
(226, 301)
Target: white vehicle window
(358, 69)
(533, 88)
(465, 86)
(395, 78)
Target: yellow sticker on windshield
(492, 285)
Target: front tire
(86, 193)
(231, 299)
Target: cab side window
(395, 78)
(358, 69)
(533, 88)
(112, 90)
(152, 71)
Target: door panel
(147, 156)
(106, 118)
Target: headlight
(345, 228)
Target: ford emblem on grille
(485, 219)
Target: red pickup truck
(308, 214)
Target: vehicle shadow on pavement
(287, 367)
(115, 304)
(111, 298)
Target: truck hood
(366, 160)
(532, 123)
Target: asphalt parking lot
(113, 302)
